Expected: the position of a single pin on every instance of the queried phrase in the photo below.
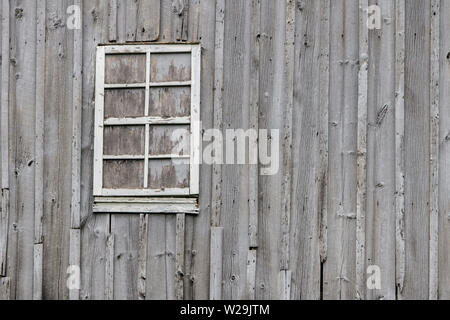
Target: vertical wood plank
(380, 217)
(434, 149)
(444, 154)
(148, 20)
(5, 289)
(216, 262)
(39, 150)
(285, 284)
(142, 256)
(216, 196)
(131, 20)
(179, 256)
(324, 61)
(362, 149)
(289, 56)
(4, 130)
(37, 271)
(339, 268)
(251, 274)
(94, 228)
(112, 21)
(254, 65)
(109, 267)
(417, 149)
(400, 254)
(74, 259)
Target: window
(147, 122)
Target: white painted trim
(147, 120)
(124, 85)
(152, 48)
(159, 200)
(147, 126)
(145, 192)
(99, 116)
(195, 121)
(146, 208)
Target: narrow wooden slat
(148, 20)
(75, 259)
(324, 123)
(38, 256)
(417, 149)
(142, 257)
(141, 208)
(255, 31)
(5, 289)
(434, 149)
(179, 256)
(146, 111)
(77, 88)
(4, 231)
(180, 19)
(5, 95)
(216, 195)
(112, 21)
(216, 263)
(285, 284)
(289, 56)
(109, 268)
(400, 255)
(251, 274)
(444, 156)
(131, 20)
(4, 137)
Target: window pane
(122, 103)
(124, 140)
(167, 140)
(170, 67)
(170, 102)
(125, 68)
(168, 174)
(127, 174)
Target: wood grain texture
(417, 149)
(380, 217)
(444, 154)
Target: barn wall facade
(364, 180)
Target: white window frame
(193, 120)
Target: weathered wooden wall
(364, 178)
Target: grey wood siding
(364, 179)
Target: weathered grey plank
(444, 155)
(380, 217)
(22, 141)
(400, 254)
(94, 227)
(235, 178)
(339, 268)
(306, 124)
(5, 289)
(216, 264)
(179, 256)
(434, 149)
(126, 233)
(216, 184)
(39, 151)
(58, 150)
(417, 150)
(142, 256)
(112, 21)
(271, 97)
(148, 20)
(131, 20)
(201, 223)
(109, 267)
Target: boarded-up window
(147, 125)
